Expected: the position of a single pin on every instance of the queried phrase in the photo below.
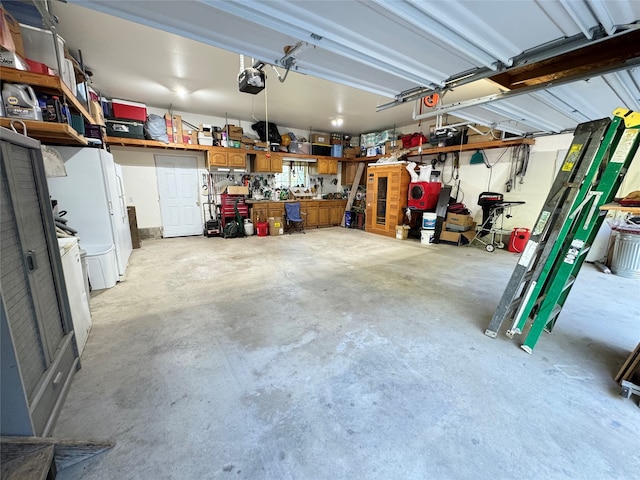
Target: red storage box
(129, 110)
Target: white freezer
(93, 196)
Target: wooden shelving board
(620, 208)
(48, 132)
(475, 146)
(46, 83)
(134, 142)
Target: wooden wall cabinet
(267, 162)
(327, 166)
(225, 157)
(387, 189)
(349, 173)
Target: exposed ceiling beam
(614, 52)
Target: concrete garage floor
(344, 355)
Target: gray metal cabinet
(38, 352)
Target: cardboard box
(96, 112)
(276, 227)
(236, 190)
(459, 238)
(475, 137)
(402, 232)
(169, 124)
(350, 152)
(178, 134)
(12, 60)
(205, 135)
(235, 133)
(321, 138)
(10, 34)
(206, 127)
(460, 220)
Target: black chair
(293, 217)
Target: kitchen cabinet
(316, 213)
(226, 157)
(387, 189)
(326, 166)
(311, 211)
(324, 214)
(276, 209)
(38, 354)
(259, 213)
(267, 162)
(349, 173)
(337, 211)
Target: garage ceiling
(397, 51)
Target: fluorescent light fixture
(337, 122)
(299, 160)
(181, 91)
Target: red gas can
(518, 240)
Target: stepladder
(590, 176)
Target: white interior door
(179, 195)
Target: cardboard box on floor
(276, 227)
(459, 238)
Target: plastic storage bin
(102, 265)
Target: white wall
(141, 180)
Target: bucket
(518, 240)
(626, 254)
(248, 227)
(20, 101)
(427, 236)
(262, 229)
(429, 220)
(348, 217)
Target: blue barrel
(348, 217)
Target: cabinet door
(216, 158)
(324, 213)
(312, 214)
(259, 213)
(237, 159)
(327, 166)
(276, 209)
(337, 211)
(349, 173)
(262, 163)
(276, 163)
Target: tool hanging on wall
(518, 166)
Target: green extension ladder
(590, 176)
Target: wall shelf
(134, 142)
(47, 84)
(474, 146)
(48, 132)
